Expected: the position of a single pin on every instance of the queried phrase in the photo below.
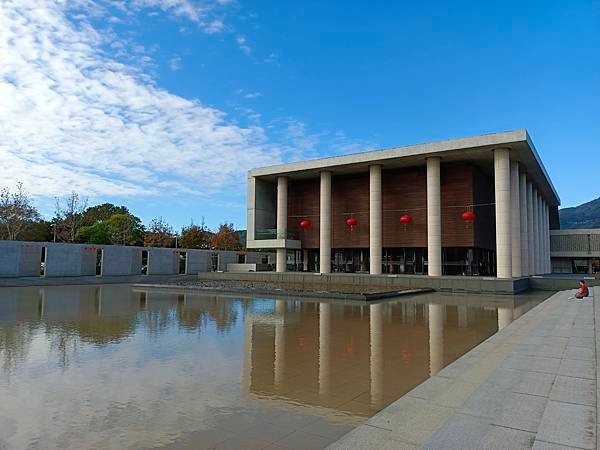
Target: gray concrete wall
(63, 260)
(10, 255)
(30, 261)
(120, 260)
(163, 261)
(197, 261)
(227, 257)
(23, 259)
(89, 255)
(375, 283)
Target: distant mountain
(582, 216)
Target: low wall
(24, 259)
(120, 260)
(163, 261)
(381, 283)
(559, 283)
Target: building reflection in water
(123, 351)
(357, 358)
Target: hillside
(586, 215)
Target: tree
(159, 234)
(99, 213)
(38, 231)
(226, 238)
(125, 229)
(69, 219)
(16, 212)
(98, 233)
(196, 236)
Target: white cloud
(243, 44)
(175, 63)
(214, 26)
(74, 118)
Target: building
(575, 251)
(481, 205)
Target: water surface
(118, 367)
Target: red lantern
(352, 222)
(467, 216)
(406, 219)
(305, 224)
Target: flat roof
(477, 149)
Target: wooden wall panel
(350, 197)
(303, 202)
(485, 219)
(404, 192)
(456, 193)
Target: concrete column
(325, 224)
(543, 235)
(279, 365)
(538, 234)
(530, 228)
(515, 220)
(376, 356)
(375, 220)
(282, 203)
(436, 338)
(434, 218)
(548, 238)
(324, 348)
(523, 216)
(305, 260)
(503, 213)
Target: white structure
(524, 200)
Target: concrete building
(575, 251)
(481, 205)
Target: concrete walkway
(531, 385)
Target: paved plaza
(531, 385)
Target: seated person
(583, 290)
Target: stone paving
(531, 385)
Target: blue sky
(163, 105)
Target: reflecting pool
(114, 366)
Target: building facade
(474, 206)
(575, 251)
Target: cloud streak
(73, 117)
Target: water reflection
(116, 367)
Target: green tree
(226, 238)
(98, 233)
(99, 213)
(159, 234)
(196, 236)
(125, 229)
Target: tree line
(75, 221)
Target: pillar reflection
(324, 348)
(376, 354)
(436, 338)
(279, 364)
(505, 317)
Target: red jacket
(583, 289)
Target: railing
(271, 233)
